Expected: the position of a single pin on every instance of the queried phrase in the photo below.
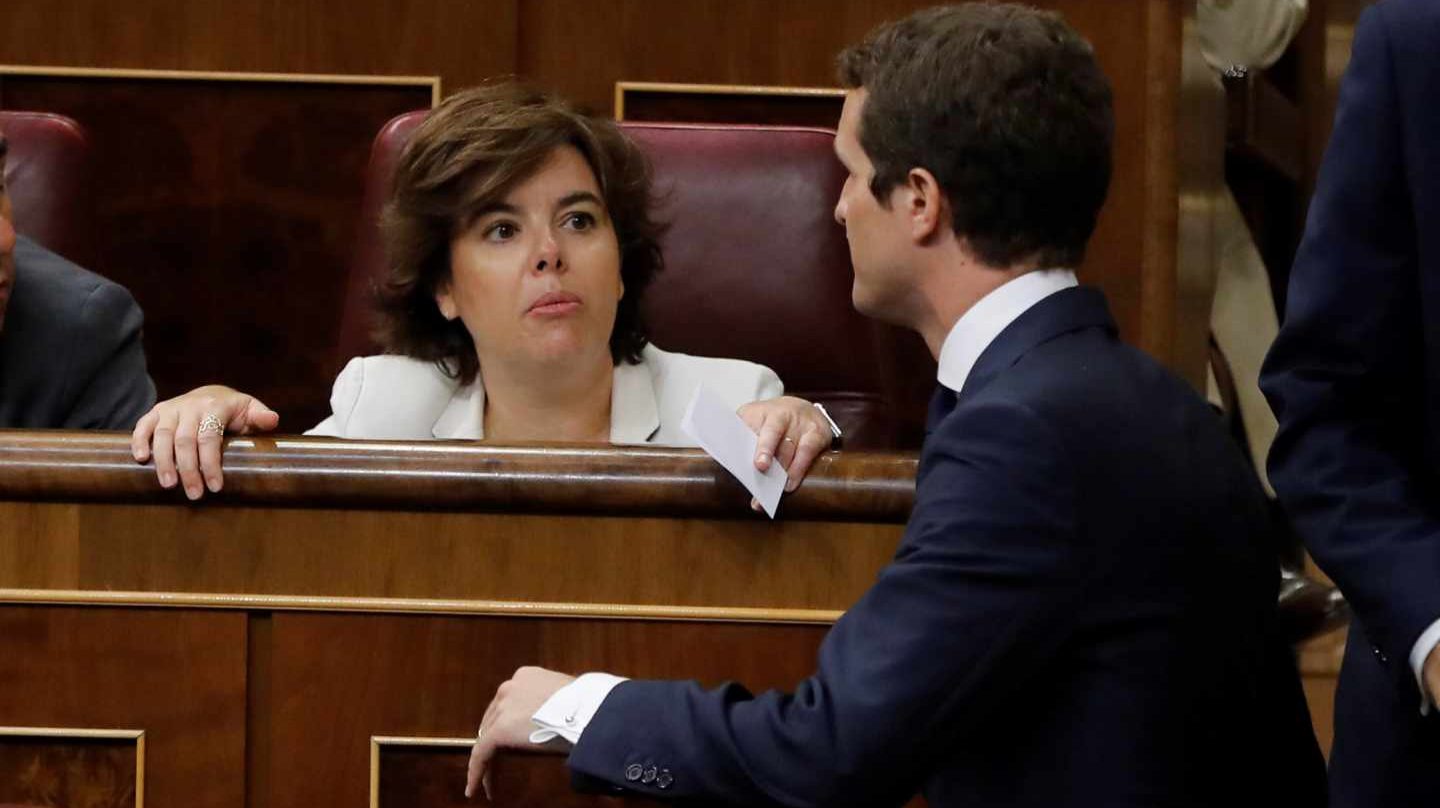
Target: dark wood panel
(230, 210)
(464, 43)
(44, 771)
(429, 777)
(177, 675)
(717, 107)
(482, 556)
(389, 554)
(359, 676)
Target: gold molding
(136, 735)
(621, 87)
(433, 82)
(377, 741)
(492, 608)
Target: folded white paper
(723, 436)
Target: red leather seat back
(756, 266)
(358, 320)
(47, 172)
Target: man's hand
(507, 721)
(1431, 675)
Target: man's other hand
(507, 723)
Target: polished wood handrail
(447, 475)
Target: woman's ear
(445, 301)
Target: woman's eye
(580, 221)
(500, 231)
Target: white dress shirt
(984, 321)
(1429, 638)
(569, 710)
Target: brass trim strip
(136, 735)
(433, 82)
(414, 740)
(377, 741)
(621, 87)
(494, 608)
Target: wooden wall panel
(463, 42)
(229, 209)
(179, 676)
(749, 563)
(433, 676)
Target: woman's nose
(549, 257)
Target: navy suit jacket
(1081, 612)
(70, 351)
(1354, 378)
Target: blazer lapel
(1065, 311)
(634, 412)
(464, 417)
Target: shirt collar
(984, 321)
(634, 413)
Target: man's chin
(875, 308)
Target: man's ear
(924, 204)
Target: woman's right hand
(185, 439)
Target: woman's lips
(555, 304)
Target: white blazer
(399, 398)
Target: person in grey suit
(70, 352)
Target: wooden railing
(331, 625)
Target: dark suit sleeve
(963, 620)
(1346, 372)
(112, 387)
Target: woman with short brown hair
(519, 241)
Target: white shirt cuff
(1418, 654)
(567, 713)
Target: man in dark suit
(1082, 609)
(70, 352)
(1354, 379)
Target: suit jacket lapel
(941, 403)
(1065, 311)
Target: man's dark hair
(4, 146)
(1009, 110)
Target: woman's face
(536, 277)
